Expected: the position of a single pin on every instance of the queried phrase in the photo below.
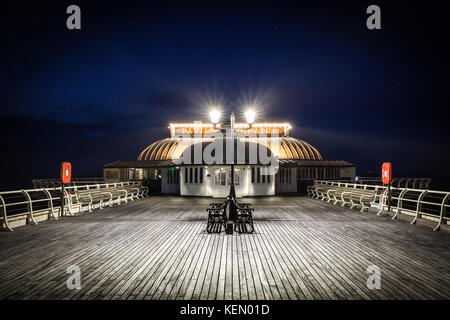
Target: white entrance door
(237, 182)
(222, 182)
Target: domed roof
(296, 149)
(289, 148)
(159, 150)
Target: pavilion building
(297, 162)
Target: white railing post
(441, 216)
(30, 208)
(5, 218)
(90, 205)
(69, 202)
(50, 205)
(382, 197)
(419, 206)
(400, 203)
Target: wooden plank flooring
(157, 248)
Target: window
(268, 178)
(185, 175)
(263, 178)
(217, 177)
(258, 175)
(253, 175)
(196, 175)
(222, 177)
(190, 175)
(201, 175)
(237, 177)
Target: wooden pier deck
(157, 248)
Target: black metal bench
(217, 217)
(244, 218)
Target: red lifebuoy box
(66, 172)
(386, 173)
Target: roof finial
(232, 121)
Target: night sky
(105, 92)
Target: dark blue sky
(107, 91)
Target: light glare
(214, 115)
(250, 116)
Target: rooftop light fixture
(250, 116)
(214, 115)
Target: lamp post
(230, 203)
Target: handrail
(398, 182)
(5, 219)
(29, 202)
(30, 207)
(419, 205)
(400, 202)
(441, 215)
(50, 204)
(433, 204)
(51, 183)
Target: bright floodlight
(214, 115)
(250, 116)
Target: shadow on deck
(157, 248)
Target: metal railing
(414, 183)
(420, 203)
(31, 202)
(53, 183)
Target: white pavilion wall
(349, 172)
(286, 185)
(166, 187)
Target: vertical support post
(382, 201)
(30, 218)
(419, 206)
(389, 197)
(231, 205)
(63, 200)
(400, 203)
(5, 218)
(50, 205)
(441, 216)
